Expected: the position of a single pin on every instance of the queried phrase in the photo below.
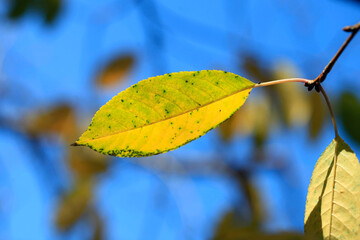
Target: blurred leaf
(294, 104)
(252, 66)
(317, 115)
(73, 205)
(349, 109)
(85, 164)
(162, 113)
(229, 229)
(98, 226)
(49, 9)
(252, 196)
(333, 200)
(18, 8)
(242, 122)
(115, 70)
(59, 119)
(261, 115)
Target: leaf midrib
(174, 116)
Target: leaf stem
(322, 76)
(330, 110)
(288, 80)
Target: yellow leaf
(333, 201)
(165, 112)
(115, 70)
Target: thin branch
(330, 109)
(322, 76)
(264, 84)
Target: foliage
(165, 112)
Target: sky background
(44, 65)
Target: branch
(316, 82)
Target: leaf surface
(333, 204)
(165, 112)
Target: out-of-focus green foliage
(48, 9)
(349, 112)
(230, 228)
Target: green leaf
(349, 109)
(333, 201)
(165, 112)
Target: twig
(322, 76)
(330, 109)
(264, 84)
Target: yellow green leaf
(333, 201)
(165, 112)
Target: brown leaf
(115, 70)
(85, 164)
(73, 205)
(59, 120)
(317, 115)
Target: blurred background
(61, 60)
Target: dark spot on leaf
(193, 74)
(171, 123)
(164, 91)
(167, 111)
(191, 131)
(109, 115)
(147, 121)
(109, 127)
(197, 121)
(217, 83)
(186, 81)
(169, 75)
(192, 83)
(179, 129)
(122, 100)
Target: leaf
(162, 113)
(294, 105)
(115, 70)
(85, 164)
(349, 109)
(230, 228)
(317, 115)
(333, 203)
(73, 205)
(59, 119)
